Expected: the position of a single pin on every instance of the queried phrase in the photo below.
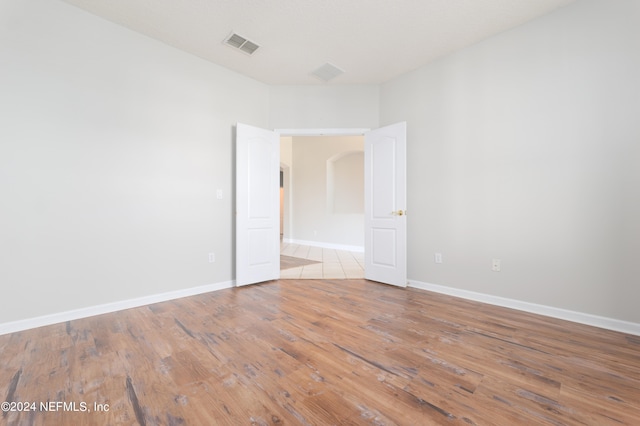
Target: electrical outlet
(219, 194)
(212, 257)
(437, 257)
(496, 265)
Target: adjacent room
(508, 220)
(322, 207)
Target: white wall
(315, 216)
(345, 182)
(314, 107)
(526, 147)
(112, 147)
(286, 150)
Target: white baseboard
(15, 326)
(549, 311)
(579, 317)
(359, 249)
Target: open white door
(257, 205)
(385, 200)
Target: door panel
(383, 176)
(384, 251)
(257, 205)
(385, 205)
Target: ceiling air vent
(241, 43)
(327, 72)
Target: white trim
(322, 132)
(549, 311)
(20, 325)
(359, 249)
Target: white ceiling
(371, 40)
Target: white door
(257, 205)
(385, 219)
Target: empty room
(497, 233)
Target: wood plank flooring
(320, 352)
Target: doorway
(257, 206)
(322, 206)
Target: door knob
(399, 213)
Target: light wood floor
(315, 352)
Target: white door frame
(323, 132)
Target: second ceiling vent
(241, 43)
(327, 72)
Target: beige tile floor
(336, 264)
